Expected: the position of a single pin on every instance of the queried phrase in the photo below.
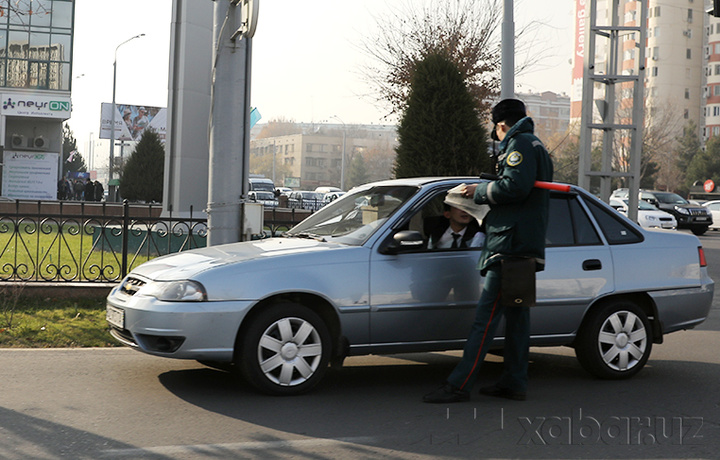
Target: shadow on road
(31, 437)
(382, 404)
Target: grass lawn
(33, 322)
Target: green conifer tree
(705, 164)
(142, 178)
(72, 159)
(440, 133)
(687, 147)
(358, 172)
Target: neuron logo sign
(8, 104)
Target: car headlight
(682, 210)
(651, 218)
(177, 291)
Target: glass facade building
(36, 44)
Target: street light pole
(342, 158)
(112, 116)
(507, 85)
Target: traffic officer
(515, 225)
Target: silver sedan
(357, 278)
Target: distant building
(35, 81)
(711, 110)
(550, 112)
(314, 157)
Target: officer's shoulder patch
(514, 158)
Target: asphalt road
(118, 403)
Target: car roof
(424, 181)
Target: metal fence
(100, 242)
(88, 242)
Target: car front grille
(698, 212)
(131, 285)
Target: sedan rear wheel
(285, 350)
(615, 341)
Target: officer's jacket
(517, 221)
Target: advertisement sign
(34, 105)
(30, 175)
(132, 120)
(292, 182)
(581, 10)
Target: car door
(578, 268)
(425, 295)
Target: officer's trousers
(517, 339)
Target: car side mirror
(405, 241)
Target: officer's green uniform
(517, 221)
(515, 226)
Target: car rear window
(568, 224)
(616, 230)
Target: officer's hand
(469, 191)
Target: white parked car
(357, 278)
(267, 199)
(284, 190)
(304, 199)
(714, 207)
(331, 196)
(619, 194)
(648, 215)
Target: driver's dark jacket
(517, 221)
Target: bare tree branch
(465, 31)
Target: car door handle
(592, 264)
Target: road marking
(217, 449)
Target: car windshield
(264, 196)
(642, 205)
(670, 198)
(352, 218)
(266, 186)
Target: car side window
(430, 222)
(568, 224)
(615, 230)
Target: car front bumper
(185, 330)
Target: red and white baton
(538, 183)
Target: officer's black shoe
(500, 392)
(447, 394)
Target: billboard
(30, 175)
(132, 120)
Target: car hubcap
(622, 340)
(290, 351)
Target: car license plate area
(115, 316)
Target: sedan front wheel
(615, 341)
(285, 350)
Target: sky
(306, 58)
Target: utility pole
(234, 26)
